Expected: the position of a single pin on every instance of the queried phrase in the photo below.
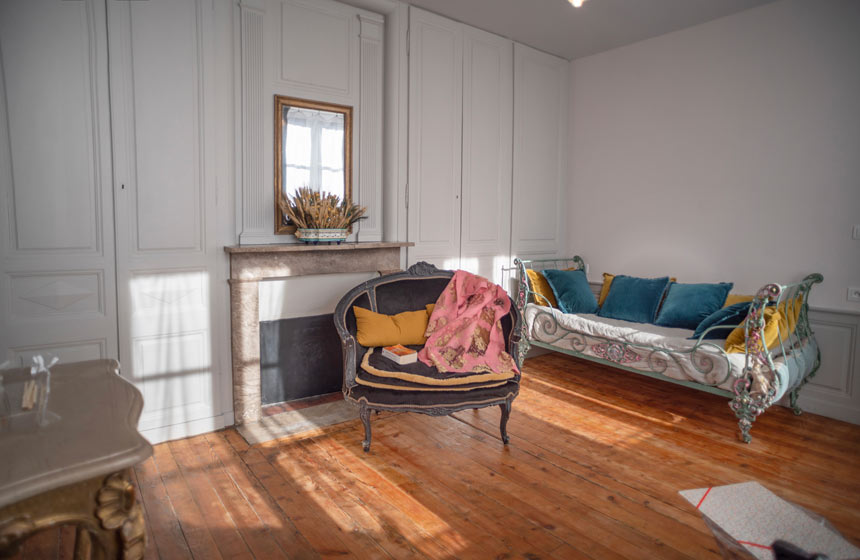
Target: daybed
(767, 366)
(423, 389)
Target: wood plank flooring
(596, 460)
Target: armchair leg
(364, 414)
(503, 425)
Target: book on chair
(400, 354)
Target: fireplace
(249, 265)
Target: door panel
(435, 141)
(487, 151)
(165, 51)
(166, 253)
(540, 144)
(57, 287)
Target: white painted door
(167, 258)
(435, 138)
(57, 289)
(488, 90)
(540, 153)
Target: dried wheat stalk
(313, 210)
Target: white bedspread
(669, 352)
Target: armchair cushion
(377, 369)
(379, 329)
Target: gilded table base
(104, 510)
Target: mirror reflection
(312, 150)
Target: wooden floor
(596, 460)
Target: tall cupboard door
(488, 90)
(435, 138)
(57, 289)
(167, 260)
(540, 153)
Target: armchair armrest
(348, 346)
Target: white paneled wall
(57, 288)
(540, 154)
(487, 140)
(112, 235)
(488, 104)
(320, 50)
(435, 138)
(833, 391)
(168, 251)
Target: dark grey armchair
(411, 291)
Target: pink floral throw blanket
(465, 331)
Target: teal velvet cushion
(687, 305)
(634, 299)
(730, 317)
(571, 291)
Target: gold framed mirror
(313, 148)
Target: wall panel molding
(540, 152)
(257, 200)
(57, 268)
(64, 44)
(71, 351)
(37, 295)
(833, 391)
(370, 136)
(311, 33)
(179, 103)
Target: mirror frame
(282, 101)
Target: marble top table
(96, 433)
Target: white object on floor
(756, 517)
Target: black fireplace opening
(299, 358)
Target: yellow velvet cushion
(607, 283)
(791, 313)
(604, 290)
(732, 299)
(377, 329)
(774, 324)
(540, 287)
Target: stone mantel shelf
(303, 247)
(251, 264)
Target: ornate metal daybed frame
(758, 385)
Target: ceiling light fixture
(576, 3)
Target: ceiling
(557, 27)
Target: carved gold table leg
(104, 510)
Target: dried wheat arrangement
(314, 210)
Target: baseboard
(188, 429)
(826, 407)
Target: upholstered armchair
(412, 290)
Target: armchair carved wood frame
(411, 291)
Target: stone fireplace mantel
(249, 264)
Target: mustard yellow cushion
(774, 323)
(792, 313)
(541, 288)
(604, 290)
(377, 329)
(430, 307)
(607, 283)
(732, 299)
